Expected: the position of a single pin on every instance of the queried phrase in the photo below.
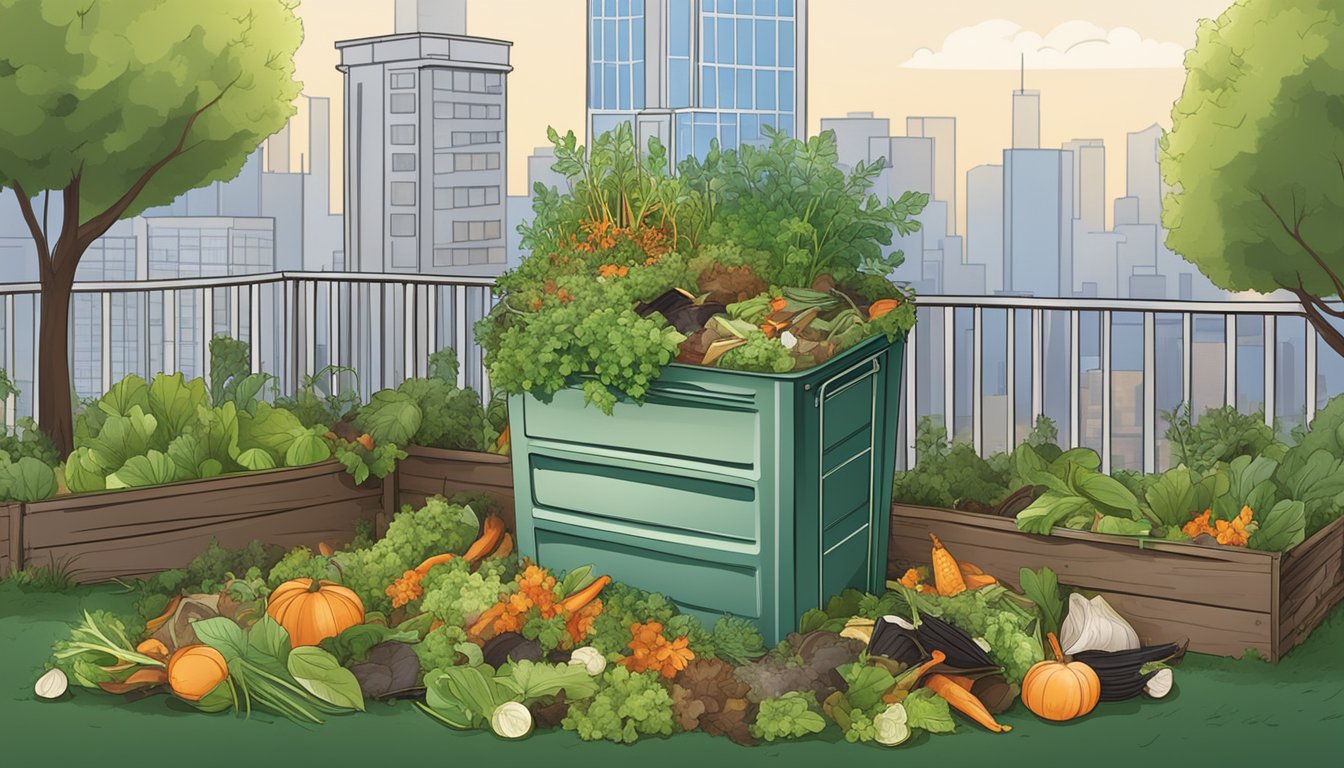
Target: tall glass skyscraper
(694, 71)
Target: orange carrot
(778, 303)
(491, 532)
(961, 681)
(153, 624)
(505, 547)
(584, 596)
(484, 620)
(964, 702)
(365, 440)
(423, 568)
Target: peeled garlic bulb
(52, 685)
(1159, 685)
(892, 726)
(590, 659)
(1093, 625)
(511, 720)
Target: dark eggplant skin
(961, 651)
(892, 641)
(1129, 661)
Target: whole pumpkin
(313, 611)
(1056, 690)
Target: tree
(120, 105)
(1255, 156)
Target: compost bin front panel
(730, 493)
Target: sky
(1104, 67)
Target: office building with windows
(692, 72)
(425, 149)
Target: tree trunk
(1324, 328)
(55, 410)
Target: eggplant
(959, 648)
(1120, 672)
(510, 646)
(893, 641)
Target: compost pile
(768, 259)
(441, 615)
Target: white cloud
(1000, 44)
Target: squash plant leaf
(1283, 528)
(323, 676)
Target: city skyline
(1140, 79)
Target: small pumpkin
(313, 611)
(1057, 690)
(196, 670)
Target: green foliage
(431, 412)
(628, 706)
(789, 200)
(1221, 434)
(109, 102)
(623, 605)
(442, 647)
(928, 711)
(209, 571)
(301, 563)
(412, 536)
(25, 440)
(26, 479)
(737, 640)
(453, 593)
(761, 354)
(947, 476)
(168, 429)
(1077, 495)
(1253, 157)
(791, 716)
(54, 576)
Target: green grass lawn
(1223, 712)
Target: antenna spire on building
(1022, 70)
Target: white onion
(511, 720)
(1159, 685)
(590, 659)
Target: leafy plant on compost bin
(764, 259)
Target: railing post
(1312, 343)
(1037, 365)
(1230, 357)
(1106, 394)
(977, 382)
(409, 327)
(1270, 337)
(169, 331)
(1149, 392)
(334, 333)
(207, 331)
(910, 391)
(105, 352)
(1010, 372)
(1187, 359)
(11, 337)
(254, 323)
(460, 332)
(950, 371)
(1075, 379)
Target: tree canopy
(1255, 157)
(106, 90)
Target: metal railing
(298, 325)
(984, 366)
(1252, 355)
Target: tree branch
(96, 226)
(1305, 296)
(39, 237)
(66, 259)
(1295, 232)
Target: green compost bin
(755, 495)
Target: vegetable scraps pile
(763, 259)
(1234, 484)
(442, 613)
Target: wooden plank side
(1092, 565)
(1312, 583)
(128, 535)
(238, 481)
(11, 517)
(428, 471)
(1152, 588)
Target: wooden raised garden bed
(429, 471)
(10, 517)
(1224, 600)
(142, 531)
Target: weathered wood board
(11, 518)
(138, 532)
(1224, 600)
(429, 471)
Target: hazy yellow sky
(863, 57)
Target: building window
(402, 80)
(475, 231)
(403, 161)
(403, 193)
(403, 225)
(403, 103)
(403, 134)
